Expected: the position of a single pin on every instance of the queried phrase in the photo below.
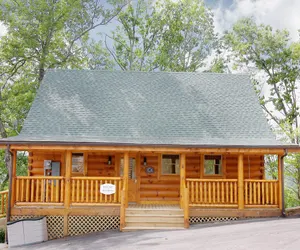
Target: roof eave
(4, 143)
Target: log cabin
(144, 150)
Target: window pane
(170, 164)
(132, 168)
(212, 164)
(77, 162)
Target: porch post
(68, 178)
(241, 181)
(125, 177)
(182, 179)
(13, 178)
(280, 181)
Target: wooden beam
(14, 173)
(232, 212)
(68, 179)
(83, 210)
(182, 178)
(150, 149)
(241, 181)
(125, 177)
(280, 176)
(66, 225)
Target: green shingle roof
(147, 108)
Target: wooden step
(154, 212)
(146, 219)
(155, 224)
(131, 228)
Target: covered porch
(201, 182)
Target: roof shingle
(157, 108)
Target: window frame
(161, 166)
(84, 172)
(221, 164)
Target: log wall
(152, 187)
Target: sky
(281, 14)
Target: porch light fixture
(109, 160)
(145, 161)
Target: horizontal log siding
(253, 167)
(36, 161)
(97, 165)
(156, 187)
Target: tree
(42, 34)
(272, 54)
(162, 35)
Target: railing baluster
(57, 188)
(62, 190)
(271, 198)
(258, 194)
(92, 190)
(205, 193)
(115, 194)
(209, 192)
(275, 193)
(47, 190)
(201, 192)
(263, 193)
(52, 190)
(227, 192)
(250, 192)
(214, 192)
(192, 197)
(82, 191)
(17, 190)
(218, 192)
(97, 191)
(197, 192)
(37, 190)
(267, 193)
(100, 192)
(223, 192)
(235, 193)
(73, 190)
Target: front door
(132, 178)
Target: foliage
(2, 235)
(272, 54)
(162, 35)
(42, 34)
(271, 166)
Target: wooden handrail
(39, 189)
(211, 180)
(95, 178)
(261, 193)
(213, 192)
(86, 190)
(4, 192)
(40, 177)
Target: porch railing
(40, 189)
(213, 192)
(4, 201)
(85, 190)
(259, 193)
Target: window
(170, 164)
(212, 164)
(132, 168)
(77, 163)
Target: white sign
(107, 189)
